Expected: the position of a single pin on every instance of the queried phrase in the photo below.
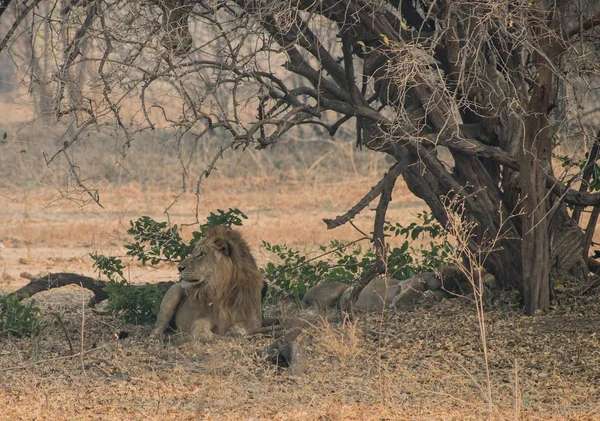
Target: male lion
(219, 290)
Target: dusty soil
(40, 232)
(427, 364)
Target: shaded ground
(427, 364)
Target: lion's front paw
(157, 335)
(236, 331)
(204, 338)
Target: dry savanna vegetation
(426, 364)
(468, 128)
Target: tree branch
(585, 26)
(20, 18)
(395, 171)
(378, 241)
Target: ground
(426, 364)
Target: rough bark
(535, 249)
(535, 163)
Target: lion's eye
(200, 254)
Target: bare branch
(20, 18)
(379, 267)
(390, 177)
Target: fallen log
(57, 280)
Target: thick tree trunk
(535, 160)
(535, 249)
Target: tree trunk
(535, 160)
(535, 249)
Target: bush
(18, 319)
(136, 305)
(296, 273)
(154, 242)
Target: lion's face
(200, 267)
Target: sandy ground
(39, 234)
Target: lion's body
(377, 294)
(398, 295)
(324, 296)
(219, 292)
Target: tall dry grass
(157, 159)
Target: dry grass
(422, 365)
(427, 364)
(38, 234)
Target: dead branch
(378, 240)
(394, 172)
(57, 280)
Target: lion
(219, 292)
(394, 294)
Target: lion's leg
(201, 330)
(168, 307)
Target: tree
(483, 79)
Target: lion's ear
(222, 246)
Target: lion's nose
(180, 268)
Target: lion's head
(221, 256)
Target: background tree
(497, 83)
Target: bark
(567, 243)
(535, 162)
(57, 280)
(535, 249)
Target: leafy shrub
(431, 255)
(154, 242)
(296, 273)
(18, 319)
(137, 305)
(108, 265)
